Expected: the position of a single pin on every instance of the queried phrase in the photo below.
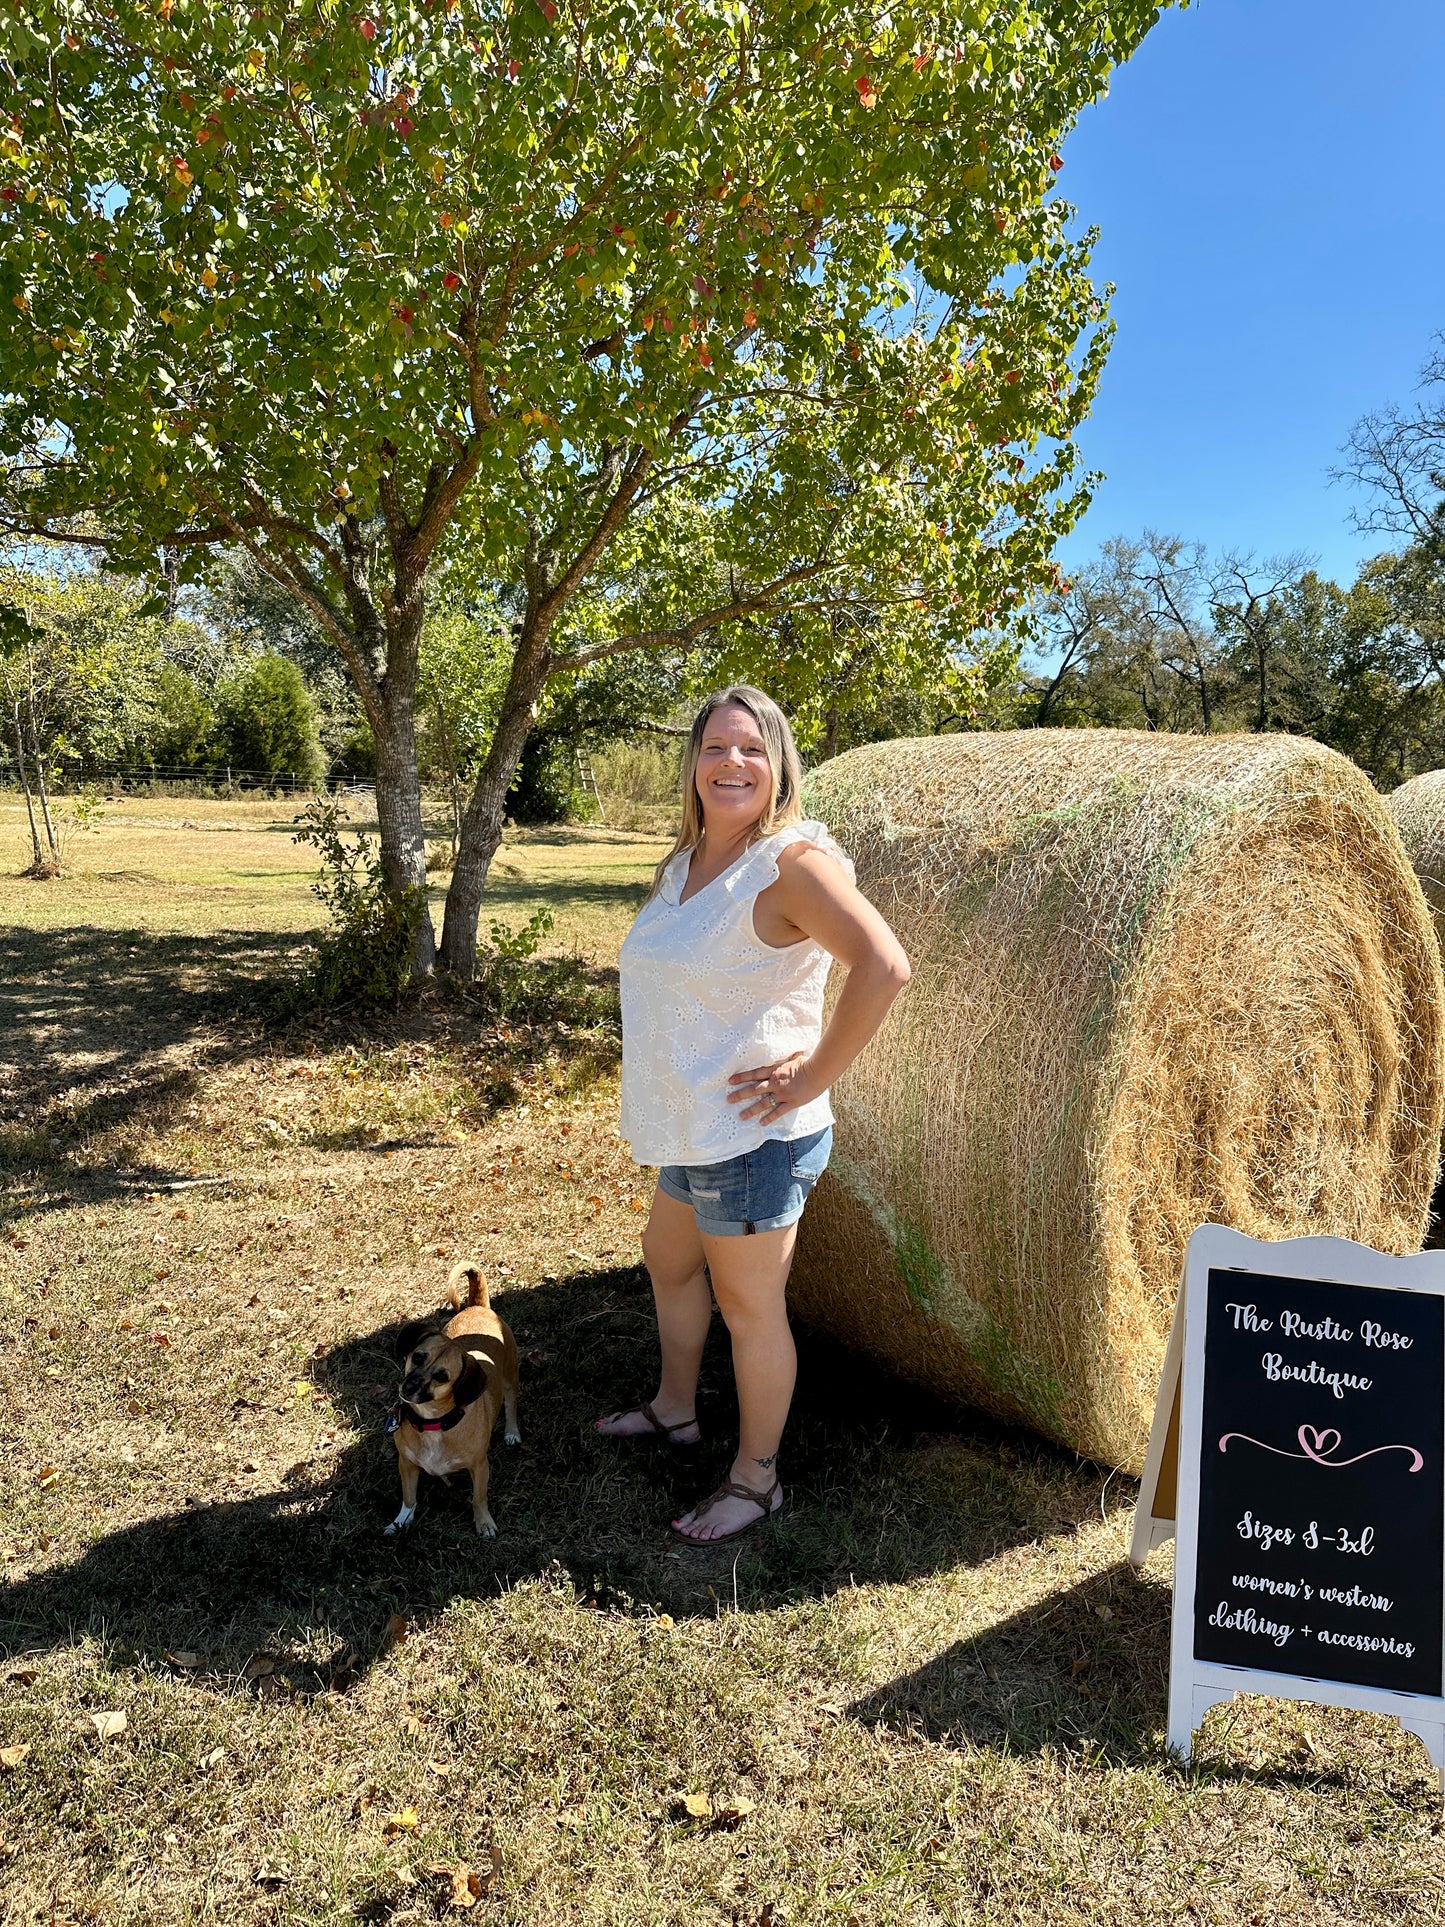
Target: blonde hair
(785, 802)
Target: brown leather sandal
(731, 1489)
(658, 1431)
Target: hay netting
(1157, 981)
(1418, 808)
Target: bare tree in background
(1398, 456)
(1247, 607)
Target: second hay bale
(1418, 808)
(1157, 981)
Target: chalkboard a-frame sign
(1301, 1424)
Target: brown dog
(457, 1380)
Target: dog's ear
(412, 1333)
(472, 1382)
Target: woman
(725, 1075)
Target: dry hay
(1158, 980)
(1418, 808)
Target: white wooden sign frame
(1196, 1685)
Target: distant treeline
(1156, 634)
(232, 686)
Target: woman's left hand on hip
(771, 1089)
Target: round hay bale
(1418, 808)
(1158, 981)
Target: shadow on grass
(509, 894)
(884, 1486)
(1089, 1665)
(105, 1030)
(93, 1022)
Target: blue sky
(1269, 179)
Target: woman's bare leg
(673, 1254)
(749, 1281)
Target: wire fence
(226, 780)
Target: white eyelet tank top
(703, 996)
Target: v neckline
(722, 875)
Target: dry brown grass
(934, 1694)
(1158, 981)
(1418, 808)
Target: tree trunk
(40, 785)
(832, 723)
(24, 770)
(384, 666)
(399, 817)
(482, 825)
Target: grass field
(933, 1694)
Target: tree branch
(687, 635)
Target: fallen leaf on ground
(11, 1756)
(47, 1475)
(698, 1805)
(466, 1887)
(23, 1675)
(106, 1726)
(393, 1633)
(440, 1767)
(257, 1666)
(188, 1662)
(407, 1821)
(213, 1758)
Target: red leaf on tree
(367, 29)
(867, 92)
(450, 281)
(513, 69)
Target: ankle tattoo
(767, 1463)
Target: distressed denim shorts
(763, 1190)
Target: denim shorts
(763, 1190)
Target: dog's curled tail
(469, 1274)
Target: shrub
(269, 721)
(365, 957)
(183, 730)
(520, 987)
(545, 788)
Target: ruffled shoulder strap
(760, 866)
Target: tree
(1132, 638)
(666, 322)
(1398, 455)
(78, 666)
(269, 720)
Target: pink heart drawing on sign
(1318, 1444)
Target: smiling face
(734, 778)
